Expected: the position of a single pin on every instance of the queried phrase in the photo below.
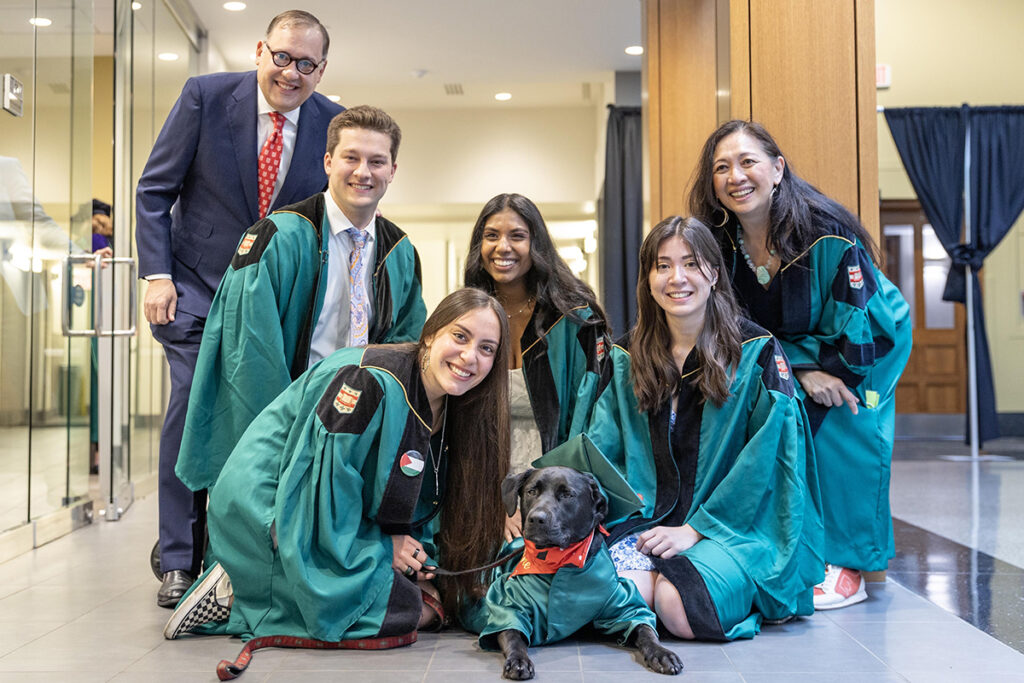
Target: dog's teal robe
(741, 474)
(833, 310)
(336, 464)
(257, 336)
(547, 608)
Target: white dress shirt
(333, 327)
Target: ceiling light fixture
(40, 21)
(234, 6)
(334, 98)
(168, 56)
(635, 50)
(136, 6)
(503, 96)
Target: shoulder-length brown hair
(478, 434)
(654, 371)
(550, 281)
(799, 211)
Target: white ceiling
(542, 51)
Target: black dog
(561, 508)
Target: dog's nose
(537, 517)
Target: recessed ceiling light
(234, 6)
(635, 50)
(252, 56)
(136, 6)
(168, 56)
(503, 96)
(40, 21)
(334, 98)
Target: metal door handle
(97, 307)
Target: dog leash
(500, 561)
(229, 670)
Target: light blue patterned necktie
(359, 305)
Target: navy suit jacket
(198, 192)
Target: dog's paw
(518, 668)
(663, 661)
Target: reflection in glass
(938, 314)
(898, 242)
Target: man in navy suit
(198, 193)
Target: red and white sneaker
(842, 587)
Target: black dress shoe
(176, 582)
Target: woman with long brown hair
(700, 418)
(805, 268)
(344, 493)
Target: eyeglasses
(282, 59)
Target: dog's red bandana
(549, 560)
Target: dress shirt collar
(340, 222)
(263, 107)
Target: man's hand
(668, 541)
(161, 301)
(827, 390)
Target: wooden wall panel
(803, 88)
(682, 110)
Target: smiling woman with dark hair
(806, 269)
(559, 333)
(330, 509)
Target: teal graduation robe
(257, 335)
(833, 310)
(336, 464)
(741, 474)
(564, 369)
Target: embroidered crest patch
(780, 363)
(246, 246)
(411, 463)
(345, 401)
(856, 277)
(600, 349)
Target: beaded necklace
(760, 272)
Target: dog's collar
(549, 560)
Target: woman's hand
(827, 390)
(513, 527)
(668, 541)
(408, 556)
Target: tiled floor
(82, 609)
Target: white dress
(526, 444)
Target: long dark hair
(798, 209)
(719, 344)
(478, 430)
(549, 281)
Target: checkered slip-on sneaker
(208, 601)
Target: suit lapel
(242, 127)
(306, 158)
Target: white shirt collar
(340, 222)
(263, 107)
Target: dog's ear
(600, 500)
(510, 488)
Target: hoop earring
(425, 360)
(771, 197)
(725, 218)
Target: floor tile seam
(57, 627)
(867, 649)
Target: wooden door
(935, 379)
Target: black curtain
(620, 216)
(930, 142)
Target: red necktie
(270, 162)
